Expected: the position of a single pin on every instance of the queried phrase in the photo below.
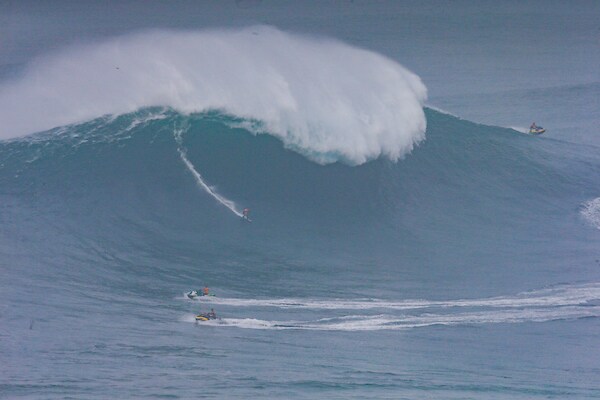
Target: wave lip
(323, 98)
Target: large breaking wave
(323, 98)
(130, 186)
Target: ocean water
(407, 241)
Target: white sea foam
(323, 98)
(553, 297)
(399, 322)
(556, 303)
(187, 318)
(519, 129)
(145, 119)
(591, 212)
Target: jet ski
(538, 130)
(205, 317)
(196, 293)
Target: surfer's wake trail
(177, 133)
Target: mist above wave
(323, 98)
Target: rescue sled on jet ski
(197, 293)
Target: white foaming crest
(145, 119)
(591, 212)
(208, 189)
(323, 98)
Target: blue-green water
(467, 268)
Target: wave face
(323, 98)
(471, 203)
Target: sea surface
(408, 239)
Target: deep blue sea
(408, 238)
